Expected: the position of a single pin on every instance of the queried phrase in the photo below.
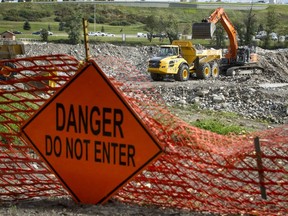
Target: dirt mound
(275, 64)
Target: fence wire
(199, 170)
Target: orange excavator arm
(218, 15)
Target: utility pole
(94, 17)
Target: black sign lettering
(118, 120)
(106, 153)
(122, 155)
(60, 111)
(86, 143)
(77, 148)
(114, 153)
(71, 121)
(57, 150)
(53, 146)
(84, 119)
(95, 130)
(114, 147)
(106, 121)
(69, 148)
(97, 151)
(48, 145)
(130, 154)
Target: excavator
(237, 61)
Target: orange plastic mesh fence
(25, 85)
(199, 170)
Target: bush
(21, 15)
(26, 25)
(133, 19)
(57, 19)
(215, 126)
(99, 19)
(12, 15)
(120, 23)
(33, 15)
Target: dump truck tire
(157, 77)
(183, 73)
(215, 70)
(204, 71)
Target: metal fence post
(260, 167)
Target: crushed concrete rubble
(260, 96)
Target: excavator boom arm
(219, 15)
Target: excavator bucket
(204, 30)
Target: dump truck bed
(208, 55)
(9, 49)
(190, 53)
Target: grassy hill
(116, 18)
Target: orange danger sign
(90, 137)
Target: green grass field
(185, 17)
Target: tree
(151, 25)
(44, 34)
(187, 29)
(271, 25)
(260, 27)
(241, 32)
(250, 24)
(73, 25)
(272, 21)
(169, 25)
(26, 25)
(61, 26)
(219, 37)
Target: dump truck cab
(168, 62)
(169, 50)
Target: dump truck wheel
(6, 73)
(215, 69)
(157, 77)
(183, 73)
(204, 71)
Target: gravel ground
(66, 206)
(261, 97)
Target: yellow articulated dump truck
(9, 49)
(181, 59)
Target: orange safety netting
(199, 170)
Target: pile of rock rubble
(262, 96)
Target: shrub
(26, 25)
(99, 19)
(120, 23)
(21, 15)
(216, 126)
